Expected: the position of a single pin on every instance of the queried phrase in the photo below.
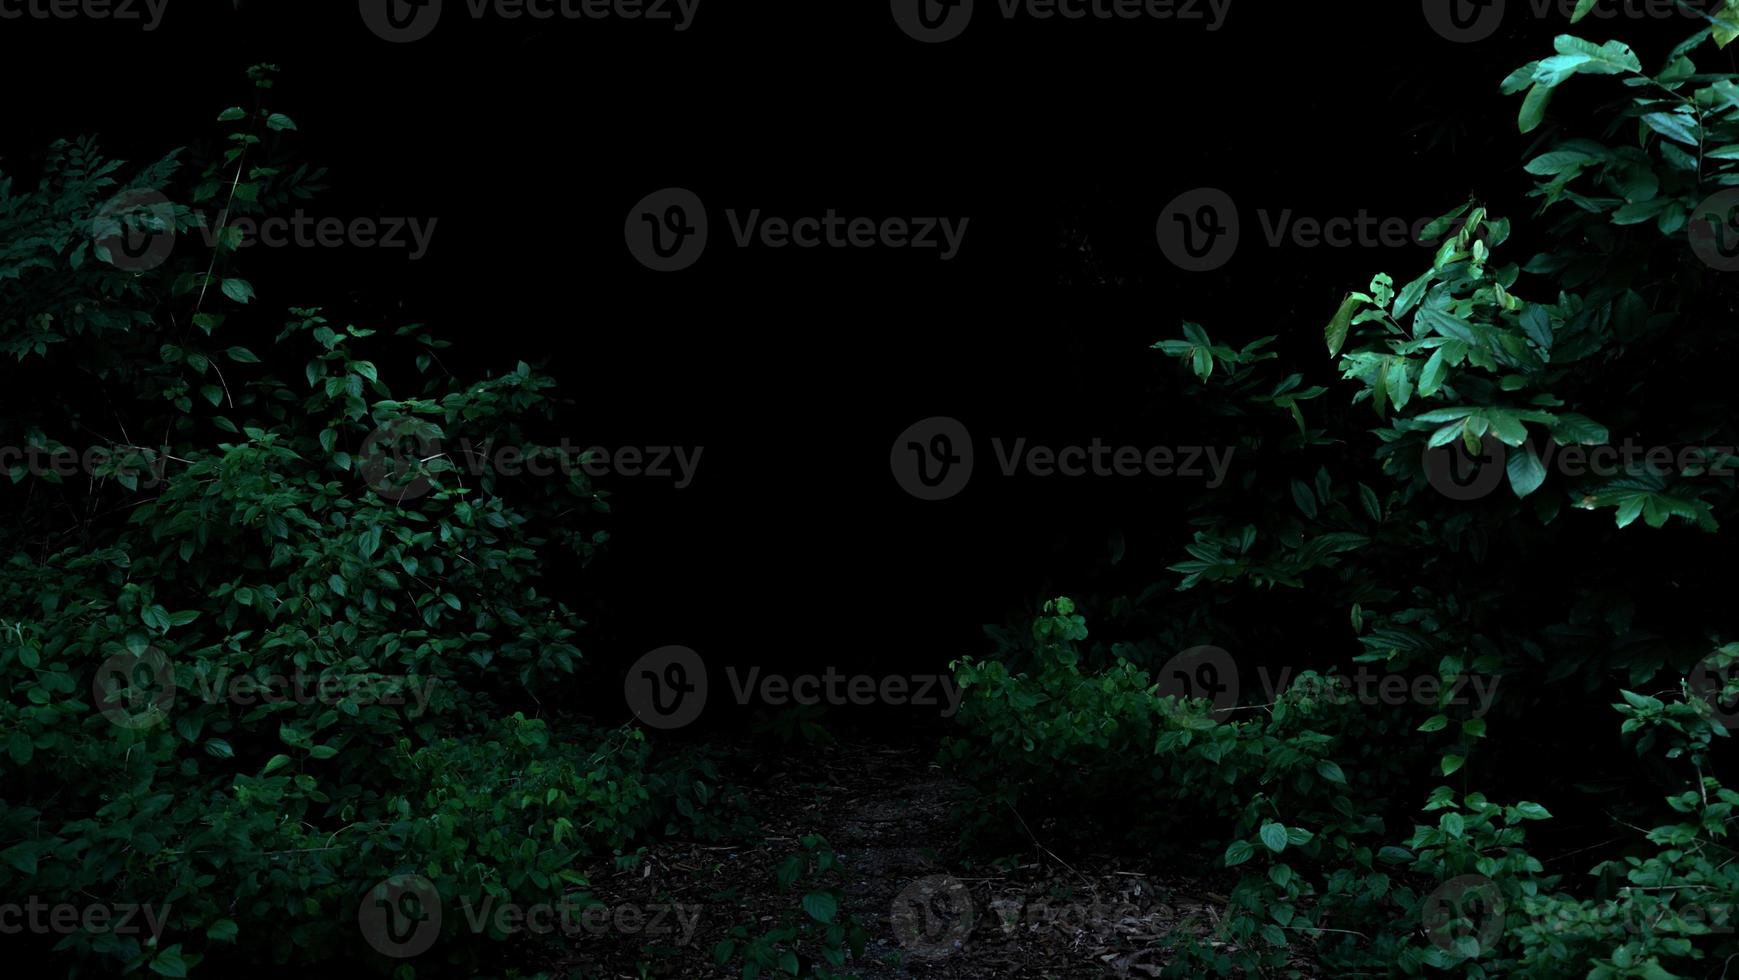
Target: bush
(1418, 548)
(261, 652)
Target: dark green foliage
(239, 524)
(1619, 328)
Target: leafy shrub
(1619, 324)
(249, 515)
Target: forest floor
(1062, 911)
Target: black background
(1061, 140)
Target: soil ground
(1063, 911)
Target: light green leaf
(1534, 107)
(239, 290)
(1341, 324)
(1526, 472)
(1273, 837)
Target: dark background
(1061, 140)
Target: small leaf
(1525, 471)
(1534, 107)
(1239, 852)
(1273, 837)
(821, 906)
(1673, 126)
(239, 290)
(1341, 324)
(1305, 500)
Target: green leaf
(1508, 429)
(239, 290)
(1330, 771)
(1525, 471)
(1341, 324)
(1611, 58)
(821, 906)
(242, 355)
(1410, 295)
(19, 747)
(1534, 107)
(1238, 852)
(21, 856)
(1302, 496)
(1452, 763)
(1673, 126)
(169, 963)
(278, 122)
(1578, 430)
(1368, 498)
(1557, 162)
(1583, 8)
(1273, 837)
(1453, 824)
(1400, 384)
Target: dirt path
(886, 812)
